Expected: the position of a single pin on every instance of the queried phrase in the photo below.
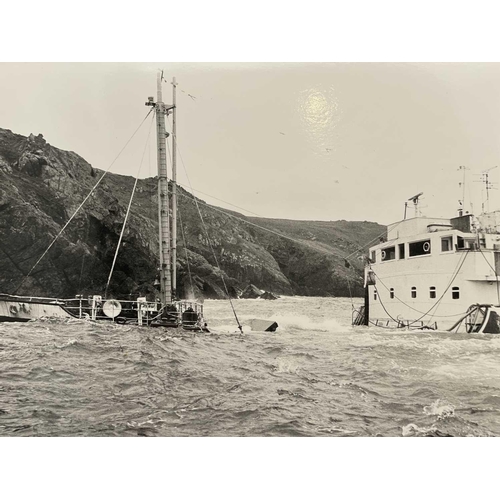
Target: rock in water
(251, 292)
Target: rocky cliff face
(42, 186)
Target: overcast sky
(318, 141)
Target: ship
(165, 310)
(437, 274)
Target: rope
(127, 214)
(218, 199)
(460, 321)
(494, 270)
(459, 266)
(299, 242)
(450, 283)
(361, 249)
(410, 307)
(372, 241)
(350, 293)
(82, 203)
(208, 239)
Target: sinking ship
(435, 274)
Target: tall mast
(163, 204)
(174, 190)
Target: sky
(308, 141)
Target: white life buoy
(112, 308)
(383, 254)
(427, 247)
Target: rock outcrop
(251, 292)
(41, 187)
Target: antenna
(415, 200)
(488, 185)
(461, 185)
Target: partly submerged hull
(479, 318)
(20, 309)
(188, 315)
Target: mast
(163, 204)
(174, 190)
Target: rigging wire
(299, 242)
(208, 239)
(372, 241)
(218, 199)
(361, 248)
(438, 302)
(128, 211)
(494, 271)
(410, 307)
(82, 203)
(455, 274)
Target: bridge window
(413, 292)
(463, 243)
(432, 292)
(419, 248)
(372, 257)
(455, 292)
(374, 294)
(388, 253)
(391, 293)
(401, 250)
(447, 244)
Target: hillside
(41, 186)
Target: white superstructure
(430, 272)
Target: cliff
(41, 186)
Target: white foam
(415, 430)
(442, 409)
(303, 322)
(287, 365)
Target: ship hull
(19, 310)
(184, 314)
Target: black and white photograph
(293, 256)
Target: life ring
(14, 310)
(427, 247)
(383, 254)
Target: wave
(69, 343)
(302, 322)
(442, 409)
(287, 365)
(416, 431)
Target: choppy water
(316, 376)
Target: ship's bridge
(417, 225)
(417, 237)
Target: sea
(315, 376)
